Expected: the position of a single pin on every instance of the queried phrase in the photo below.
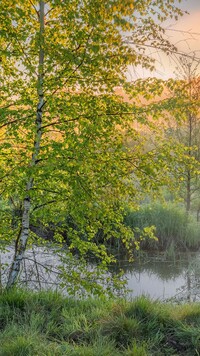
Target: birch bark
(21, 243)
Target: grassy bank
(48, 324)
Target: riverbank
(49, 324)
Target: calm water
(162, 278)
(155, 275)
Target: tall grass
(175, 229)
(46, 323)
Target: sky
(186, 41)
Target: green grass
(175, 229)
(47, 323)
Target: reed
(175, 229)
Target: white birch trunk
(22, 239)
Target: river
(155, 275)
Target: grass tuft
(47, 323)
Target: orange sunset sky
(187, 41)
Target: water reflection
(161, 278)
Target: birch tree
(64, 130)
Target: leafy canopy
(85, 172)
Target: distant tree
(187, 131)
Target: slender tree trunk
(22, 239)
(188, 194)
(188, 185)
